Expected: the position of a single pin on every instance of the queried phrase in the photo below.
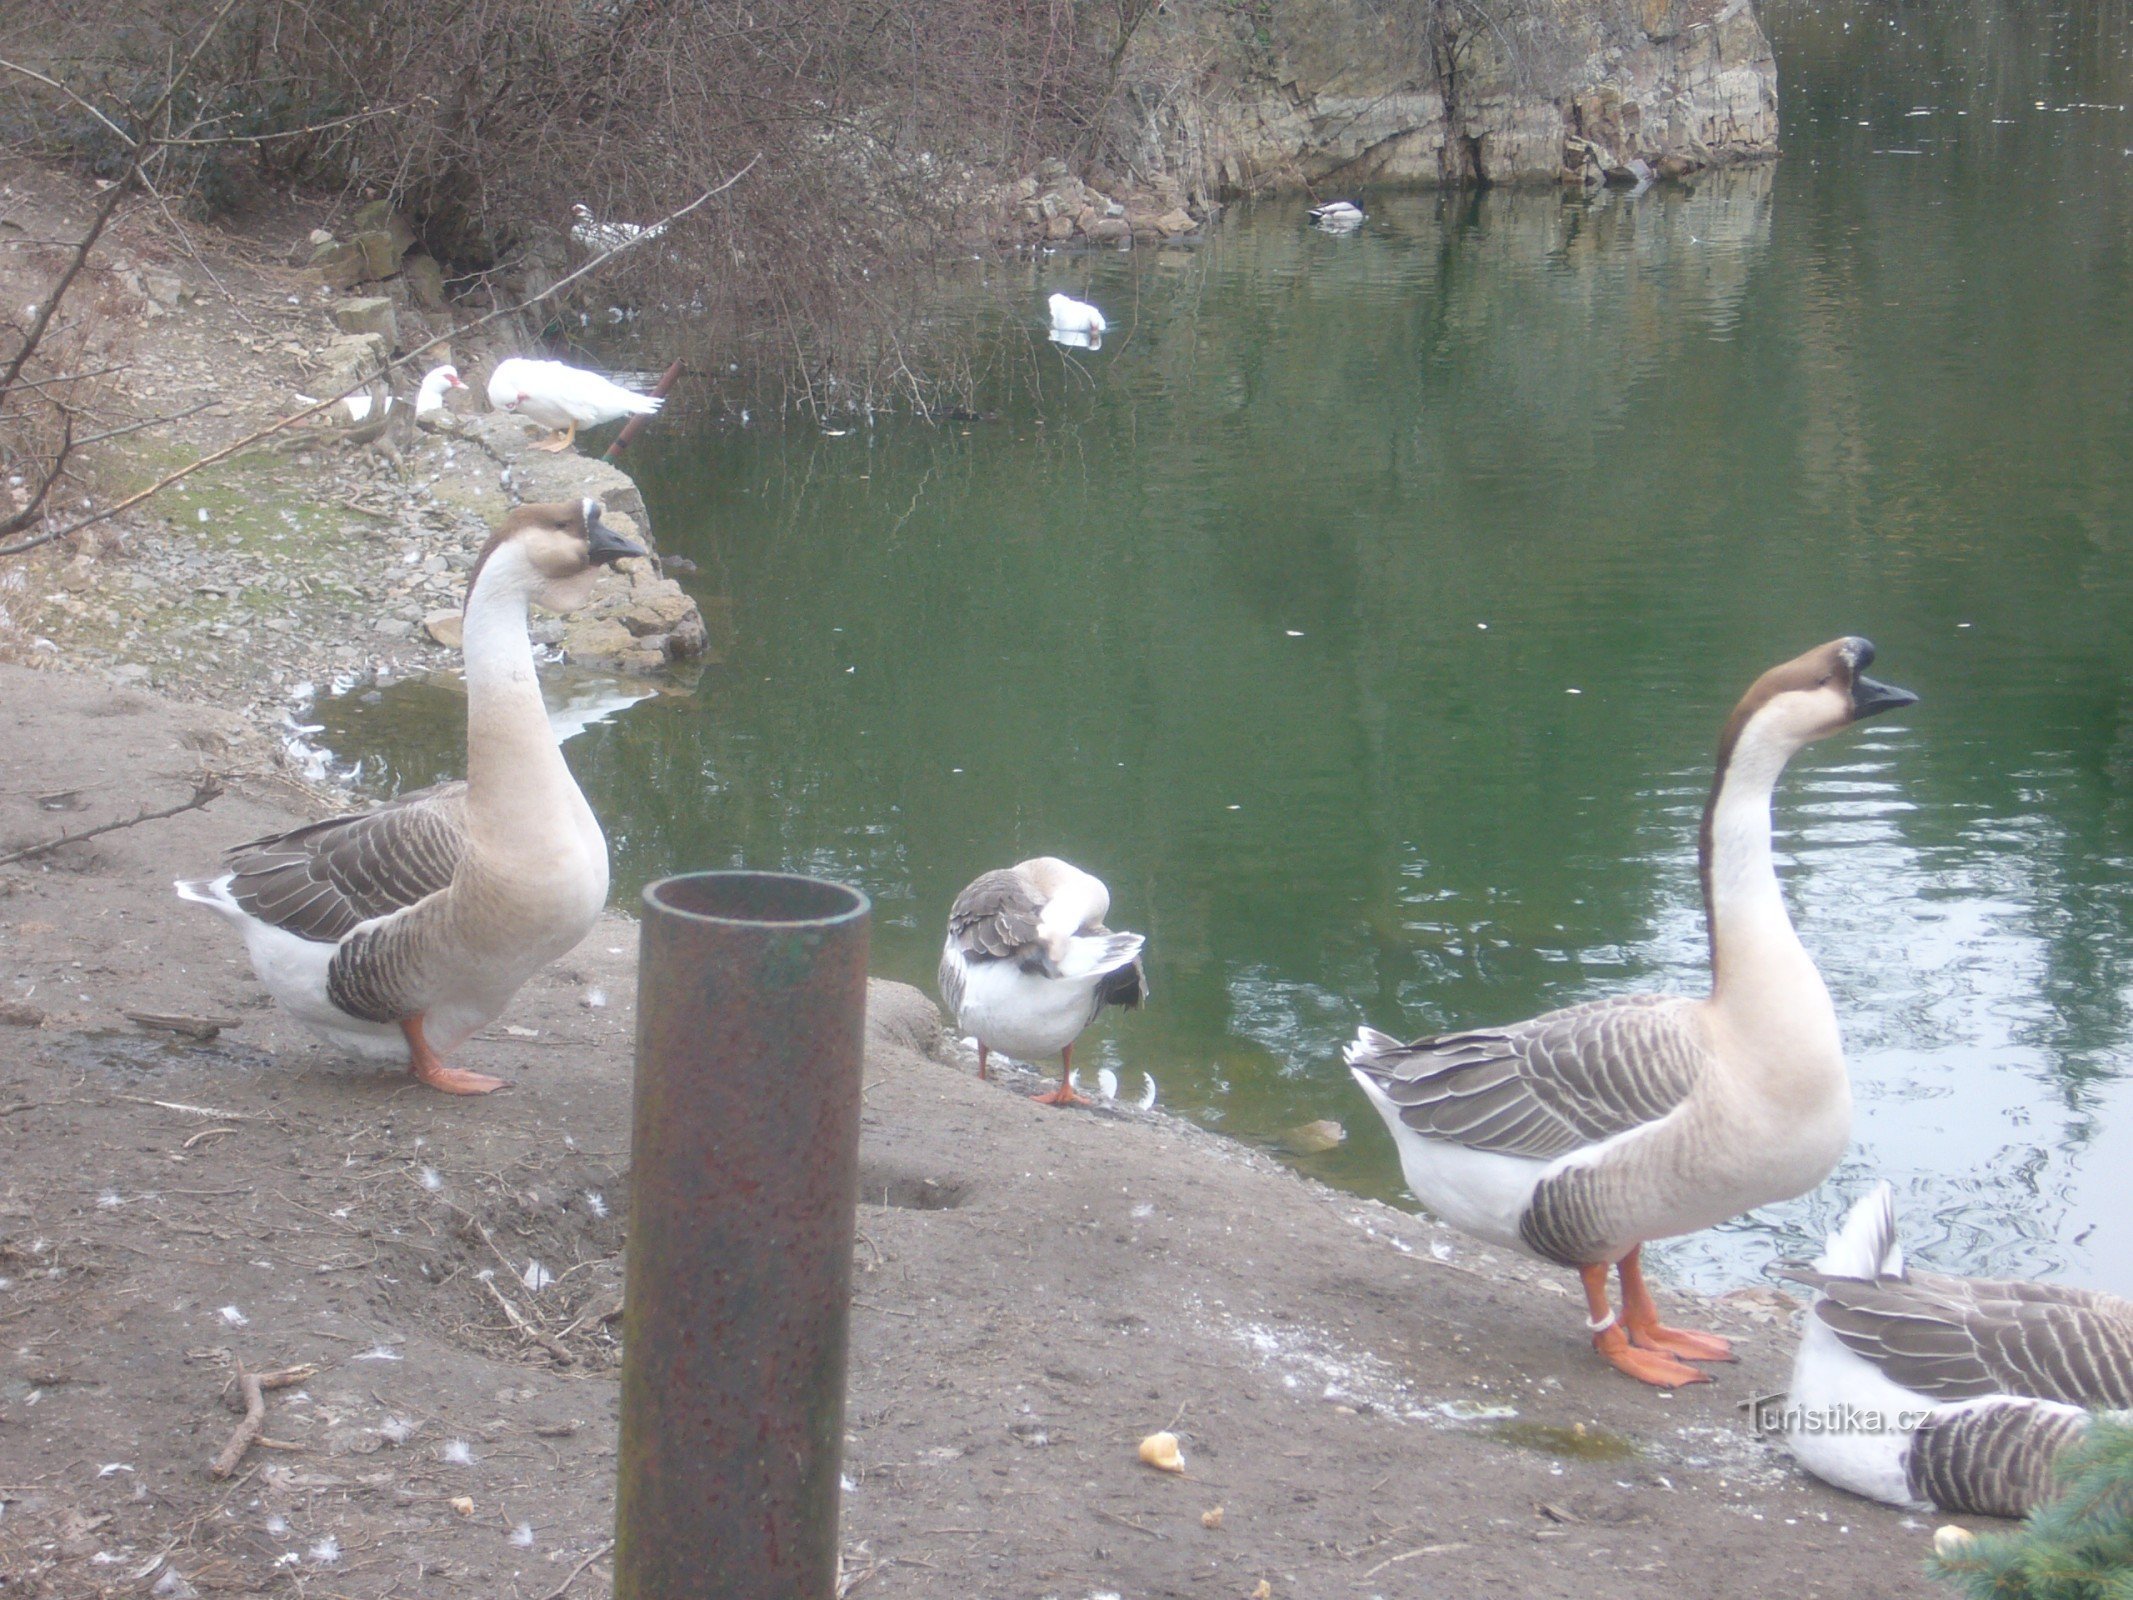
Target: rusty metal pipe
(631, 428)
(751, 1010)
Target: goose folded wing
(323, 880)
(996, 918)
(1962, 1338)
(1543, 1088)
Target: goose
(1942, 1393)
(557, 395)
(394, 934)
(590, 233)
(1029, 963)
(1580, 1134)
(1337, 216)
(1076, 316)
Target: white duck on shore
(1944, 1393)
(1578, 1135)
(1028, 964)
(590, 233)
(396, 933)
(376, 404)
(563, 398)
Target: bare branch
(205, 791)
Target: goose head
(551, 553)
(1808, 698)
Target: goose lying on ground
(1940, 1393)
(590, 233)
(1337, 216)
(562, 397)
(394, 934)
(1076, 316)
(1580, 1134)
(1029, 964)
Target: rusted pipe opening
(767, 899)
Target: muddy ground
(1369, 1406)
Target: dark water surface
(1365, 610)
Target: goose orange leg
(982, 1073)
(1640, 1315)
(428, 1066)
(1064, 1095)
(1655, 1367)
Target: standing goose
(1580, 1134)
(1955, 1394)
(394, 934)
(1029, 964)
(558, 395)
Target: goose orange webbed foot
(1654, 1367)
(1062, 1094)
(1640, 1318)
(428, 1067)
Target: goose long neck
(1753, 945)
(514, 767)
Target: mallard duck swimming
(566, 398)
(1337, 216)
(1941, 1393)
(1029, 963)
(395, 934)
(1580, 1134)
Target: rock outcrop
(1350, 92)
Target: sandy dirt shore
(1369, 1405)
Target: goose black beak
(607, 546)
(1870, 697)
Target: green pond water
(1365, 610)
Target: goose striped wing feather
(1995, 1458)
(1544, 1088)
(995, 919)
(323, 880)
(1964, 1338)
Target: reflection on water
(1366, 612)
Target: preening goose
(1580, 1134)
(1940, 1393)
(1029, 963)
(562, 397)
(394, 934)
(1076, 316)
(1337, 216)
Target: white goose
(1029, 963)
(1940, 1393)
(1338, 216)
(1580, 1134)
(1076, 316)
(396, 933)
(562, 397)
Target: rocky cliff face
(1237, 97)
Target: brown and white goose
(1028, 964)
(1941, 1393)
(1580, 1134)
(396, 933)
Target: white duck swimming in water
(1029, 963)
(1076, 316)
(1337, 216)
(1943, 1393)
(1580, 1134)
(395, 934)
(562, 397)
